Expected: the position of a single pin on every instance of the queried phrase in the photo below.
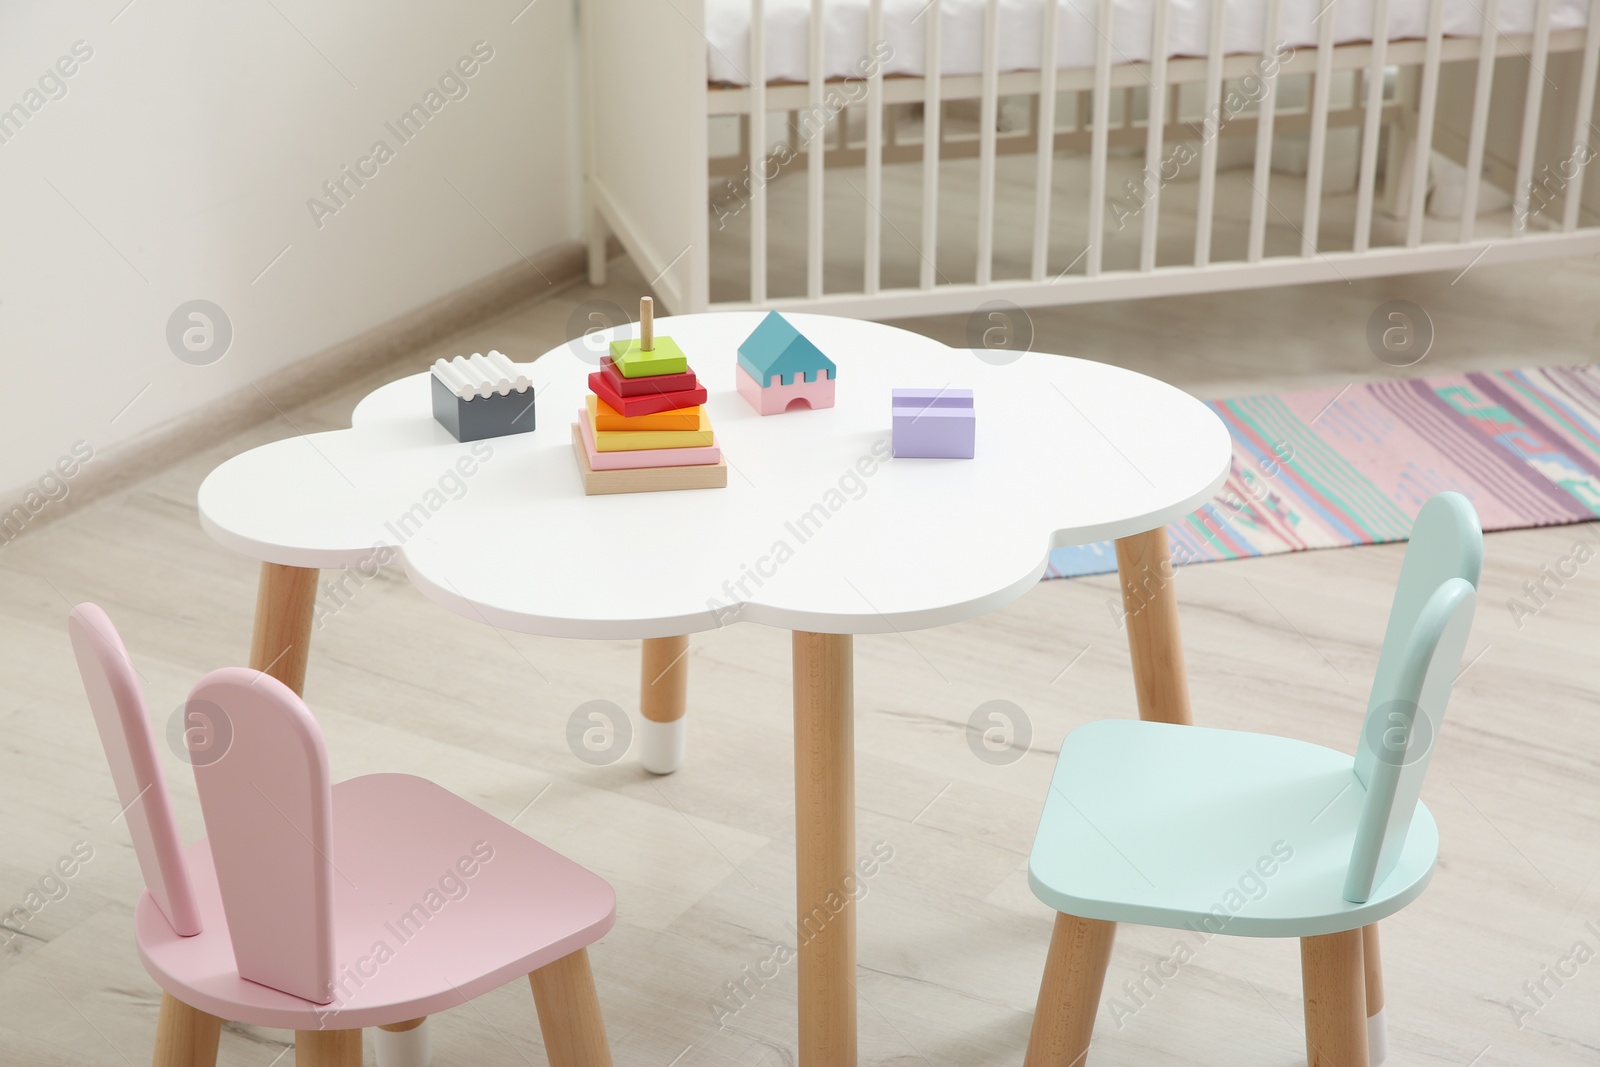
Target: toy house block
(777, 398)
(934, 424)
(482, 396)
(606, 417)
(784, 368)
(649, 385)
(630, 406)
(602, 481)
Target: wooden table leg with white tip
(663, 699)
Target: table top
(818, 528)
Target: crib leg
(598, 235)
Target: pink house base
(777, 398)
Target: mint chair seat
(1255, 835)
(1218, 831)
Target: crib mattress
(847, 53)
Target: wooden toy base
(645, 479)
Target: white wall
(177, 162)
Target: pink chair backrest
(130, 746)
(268, 807)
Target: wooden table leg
(285, 601)
(663, 697)
(1150, 601)
(825, 843)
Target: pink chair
(326, 908)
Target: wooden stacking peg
(647, 324)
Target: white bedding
(847, 54)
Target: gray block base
(481, 417)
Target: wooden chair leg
(404, 1044)
(185, 1036)
(1336, 1000)
(1069, 994)
(1377, 1023)
(327, 1048)
(663, 698)
(569, 1013)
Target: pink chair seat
(407, 944)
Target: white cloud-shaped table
(818, 531)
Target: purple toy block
(934, 424)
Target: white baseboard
(317, 375)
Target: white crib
(1114, 87)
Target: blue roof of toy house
(776, 347)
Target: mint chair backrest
(267, 801)
(1422, 649)
(1446, 542)
(130, 747)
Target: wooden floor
(952, 942)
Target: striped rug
(1351, 466)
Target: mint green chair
(1226, 832)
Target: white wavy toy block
(482, 396)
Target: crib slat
(989, 117)
(932, 108)
(758, 152)
(1153, 146)
(1478, 137)
(1426, 110)
(1265, 113)
(1208, 151)
(1371, 125)
(872, 262)
(1044, 170)
(1311, 219)
(1580, 127)
(1098, 138)
(1532, 104)
(816, 152)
